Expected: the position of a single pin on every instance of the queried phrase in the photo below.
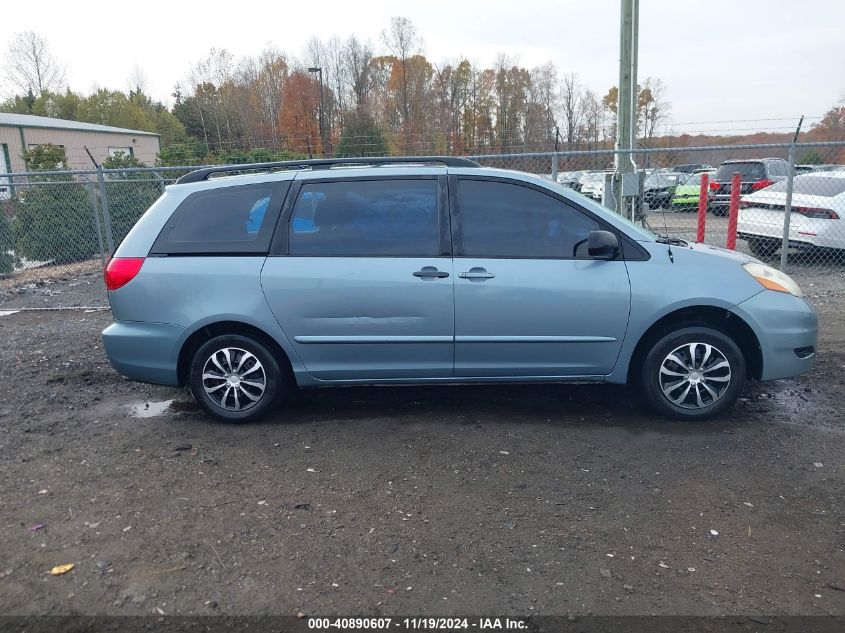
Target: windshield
(694, 179)
(749, 171)
(655, 181)
(812, 185)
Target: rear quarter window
(224, 220)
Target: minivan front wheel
(236, 378)
(693, 373)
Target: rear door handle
(476, 273)
(430, 272)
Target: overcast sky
(758, 63)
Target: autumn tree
(831, 127)
(299, 115)
(652, 108)
(403, 41)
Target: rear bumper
(148, 352)
(803, 232)
(767, 237)
(785, 327)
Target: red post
(733, 211)
(702, 206)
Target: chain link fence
(784, 203)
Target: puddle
(8, 312)
(148, 409)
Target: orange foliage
(299, 114)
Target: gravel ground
(443, 500)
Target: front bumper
(684, 200)
(148, 352)
(786, 327)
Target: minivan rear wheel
(237, 378)
(693, 373)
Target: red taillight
(761, 184)
(715, 186)
(817, 214)
(121, 270)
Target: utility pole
(635, 54)
(626, 104)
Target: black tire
(763, 248)
(250, 360)
(653, 381)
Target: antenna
(668, 239)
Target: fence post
(554, 166)
(160, 180)
(104, 201)
(787, 209)
(97, 226)
(733, 211)
(703, 190)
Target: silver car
(433, 270)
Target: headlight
(773, 279)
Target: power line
(786, 118)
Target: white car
(592, 184)
(816, 221)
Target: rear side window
(366, 218)
(500, 219)
(225, 220)
(777, 169)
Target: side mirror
(602, 244)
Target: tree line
(384, 98)
(376, 98)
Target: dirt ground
(523, 500)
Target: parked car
(429, 271)
(688, 190)
(592, 184)
(816, 219)
(569, 178)
(691, 168)
(659, 187)
(755, 174)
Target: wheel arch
(220, 328)
(715, 317)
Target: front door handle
(430, 272)
(476, 273)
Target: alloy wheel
(695, 375)
(234, 379)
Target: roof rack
(327, 163)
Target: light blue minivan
(433, 270)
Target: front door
(528, 299)
(364, 289)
